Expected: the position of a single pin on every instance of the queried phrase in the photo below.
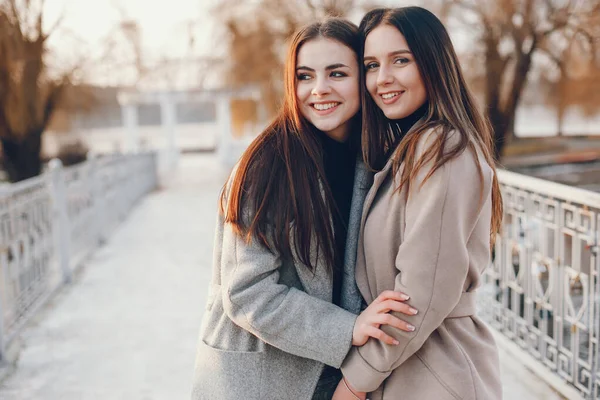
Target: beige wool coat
(433, 246)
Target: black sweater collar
(408, 122)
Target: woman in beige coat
(429, 218)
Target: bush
(73, 153)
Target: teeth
(323, 107)
(390, 95)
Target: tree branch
(473, 8)
(39, 26)
(558, 62)
(54, 27)
(17, 19)
(312, 8)
(53, 100)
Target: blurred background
(119, 120)
(68, 66)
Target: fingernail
(396, 343)
(413, 311)
(410, 328)
(405, 297)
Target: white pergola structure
(228, 146)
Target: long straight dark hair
(279, 179)
(451, 106)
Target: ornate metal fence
(542, 291)
(51, 223)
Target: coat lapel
(351, 299)
(317, 283)
(361, 278)
(378, 179)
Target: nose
(384, 77)
(321, 87)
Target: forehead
(320, 52)
(384, 39)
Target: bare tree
(513, 35)
(573, 83)
(28, 95)
(123, 58)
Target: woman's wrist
(355, 393)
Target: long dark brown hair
(451, 106)
(279, 180)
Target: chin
(326, 127)
(394, 114)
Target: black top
(408, 122)
(339, 160)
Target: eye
(371, 65)
(338, 74)
(303, 77)
(401, 60)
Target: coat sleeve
(283, 316)
(432, 264)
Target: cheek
(302, 93)
(422, 91)
(301, 98)
(416, 81)
(371, 83)
(354, 93)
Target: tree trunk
(503, 119)
(495, 66)
(22, 158)
(561, 106)
(560, 121)
(500, 127)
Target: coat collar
(351, 299)
(378, 179)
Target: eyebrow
(393, 53)
(327, 68)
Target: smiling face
(392, 77)
(327, 86)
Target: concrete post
(3, 262)
(94, 183)
(225, 134)
(168, 115)
(130, 122)
(62, 231)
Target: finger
(387, 319)
(391, 295)
(393, 305)
(381, 335)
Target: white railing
(49, 224)
(542, 291)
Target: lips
(390, 97)
(325, 108)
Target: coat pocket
(438, 378)
(227, 375)
(414, 379)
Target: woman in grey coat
(281, 311)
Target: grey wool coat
(269, 326)
(432, 245)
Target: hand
(377, 314)
(347, 392)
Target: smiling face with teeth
(327, 86)
(392, 77)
